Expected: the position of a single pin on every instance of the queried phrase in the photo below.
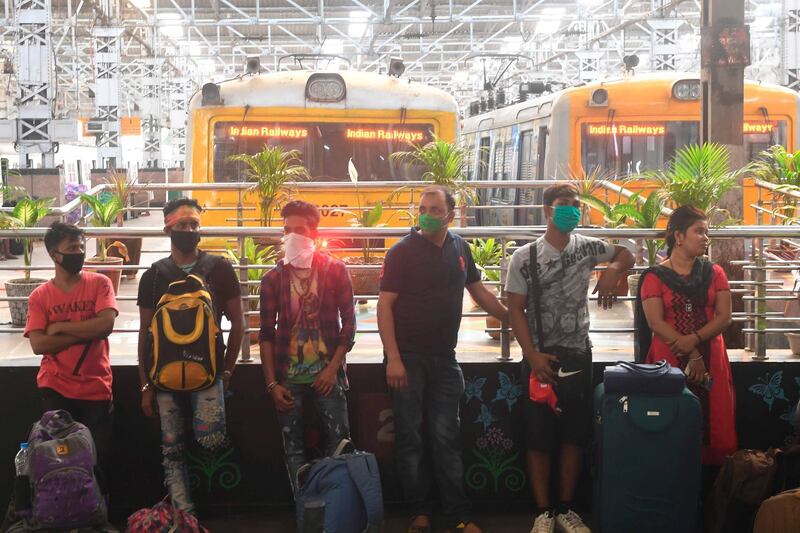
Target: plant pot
(21, 288)
(366, 281)
(134, 246)
(794, 342)
(107, 268)
(254, 321)
(633, 284)
(492, 322)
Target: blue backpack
(340, 494)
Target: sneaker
(570, 522)
(544, 523)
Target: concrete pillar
(722, 118)
(34, 82)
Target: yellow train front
(330, 118)
(620, 127)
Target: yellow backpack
(186, 343)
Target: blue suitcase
(648, 462)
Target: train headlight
(686, 90)
(325, 87)
(599, 98)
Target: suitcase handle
(659, 369)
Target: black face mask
(72, 263)
(185, 241)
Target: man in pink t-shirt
(69, 320)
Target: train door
(541, 151)
(482, 174)
(524, 215)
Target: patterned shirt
(337, 320)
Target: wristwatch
(146, 387)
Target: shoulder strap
(205, 264)
(169, 269)
(536, 293)
(363, 469)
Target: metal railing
(756, 288)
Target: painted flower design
(495, 463)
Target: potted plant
(444, 164)
(587, 183)
(698, 176)
(256, 255)
(123, 188)
(489, 253)
(644, 216)
(104, 214)
(366, 281)
(26, 214)
(270, 170)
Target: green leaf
(374, 215)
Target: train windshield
(325, 148)
(624, 148)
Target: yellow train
(330, 117)
(623, 127)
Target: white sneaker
(544, 523)
(570, 522)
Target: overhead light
(550, 23)
(512, 44)
(169, 16)
(332, 46)
(173, 32)
(142, 4)
(358, 23)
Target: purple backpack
(65, 492)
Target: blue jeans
(208, 424)
(435, 387)
(332, 409)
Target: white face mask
(298, 250)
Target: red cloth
(49, 304)
(719, 404)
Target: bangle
(227, 374)
(145, 387)
(271, 386)
(698, 336)
(698, 358)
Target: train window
(325, 148)
(759, 136)
(498, 161)
(626, 148)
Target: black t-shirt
(429, 281)
(222, 282)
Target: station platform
(244, 487)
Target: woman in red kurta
(687, 305)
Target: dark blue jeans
(332, 409)
(433, 396)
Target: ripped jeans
(332, 409)
(208, 424)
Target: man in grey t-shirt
(564, 263)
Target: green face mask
(429, 223)
(566, 217)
